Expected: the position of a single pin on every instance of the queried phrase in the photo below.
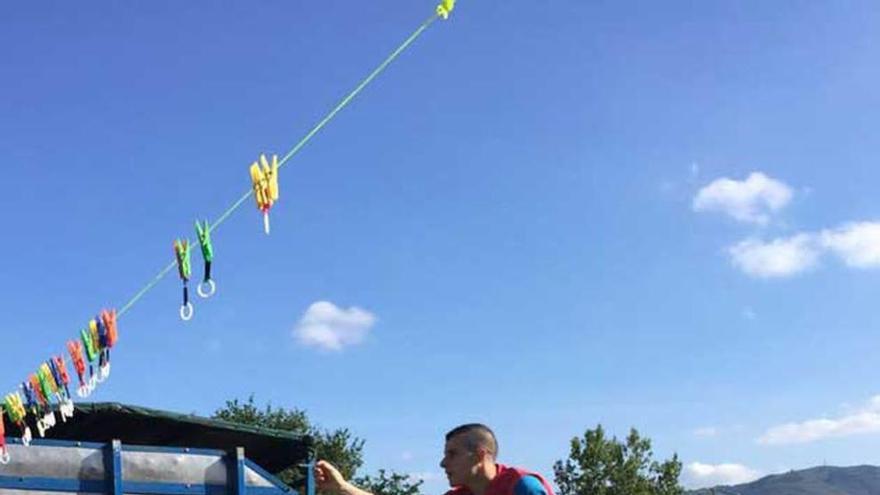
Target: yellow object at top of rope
(445, 8)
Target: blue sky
(543, 216)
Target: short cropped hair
(476, 435)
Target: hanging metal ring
(207, 288)
(186, 311)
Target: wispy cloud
(699, 475)
(752, 200)
(695, 171)
(778, 258)
(326, 326)
(681, 184)
(706, 432)
(862, 421)
(857, 244)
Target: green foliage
(339, 447)
(395, 484)
(601, 466)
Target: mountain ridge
(819, 480)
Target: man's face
(459, 463)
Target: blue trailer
(150, 452)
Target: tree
(339, 446)
(396, 484)
(601, 466)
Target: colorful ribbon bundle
(48, 388)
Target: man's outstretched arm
(329, 479)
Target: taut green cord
(342, 104)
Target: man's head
(469, 454)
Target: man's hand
(329, 478)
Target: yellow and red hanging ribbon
(75, 348)
(445, 8)
(108, 316)
(107, 335)
(265, 182)
(14, 408)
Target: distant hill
(825, 480)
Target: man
(469, 463)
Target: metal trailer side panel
(67, 468)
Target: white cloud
(699, 475)
(865, 420)
(706, 432)
(754, 200)
(751, 200)
(326, 326)
(777, 258)
(858, 244)
(749, 313)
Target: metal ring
(186, 312)
(212, 288)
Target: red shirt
(509, 481)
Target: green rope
(146, 288)
(342, 104)
(357, 90)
